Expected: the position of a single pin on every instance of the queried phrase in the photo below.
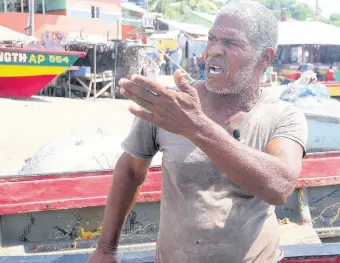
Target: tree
(163, 7)
(295, 10)
(334, 19)
(204, 6)
(301, 11)
(178, 9)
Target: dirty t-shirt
(206, 217)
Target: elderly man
(230, 151)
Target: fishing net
(77, 152)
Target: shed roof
(308, 33)
(186, 27)
(7, 34)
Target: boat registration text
(27, 58)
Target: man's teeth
(215, 70)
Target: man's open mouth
(215, 70)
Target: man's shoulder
(272, 111)
(277, 118)
(273, 105)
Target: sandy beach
(26, 125)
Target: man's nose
(216, 49)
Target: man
(218, 192)
(194, 70)
(167, 63)
(330, 74)
(151, 70)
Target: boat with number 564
(23, 72)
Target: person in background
(330, 74)
(151, 70)
(167, 63)
(161, 62)
(194, 70)
(319, 76)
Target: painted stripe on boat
(23, 87)
(36, 59)
(29, 71)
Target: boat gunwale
(145, 253)
(67, 174)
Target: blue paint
(298, 251)
(130, 257)
(131, 23)
(323, 136)
(55, 5)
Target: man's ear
(267, 57)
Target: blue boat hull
(323, 133)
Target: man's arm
(270, 175)
(129, 174)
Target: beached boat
(64, 212)
(23, 72)
(291, 76)
(323, 131)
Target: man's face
(230, 58)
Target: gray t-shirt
(206, 217)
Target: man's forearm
(122, 196)
(260, 174)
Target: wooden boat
(323, 132)
(333, 87)
(63, 212)
(290, 73)
(307, 253)
(23, 72)
(53, 212)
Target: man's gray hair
(261, 24)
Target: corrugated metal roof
(166, 35)
(299, 32)
(308, 33)
(208, 17)
(7, 34)
(186, 27)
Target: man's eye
(227, 42)
(211, 38)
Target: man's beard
(238, 82)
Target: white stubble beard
(242, 79)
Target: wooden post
(95, 72)
(43, 6)
(115, 71)
(69, 83)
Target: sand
(26, 125)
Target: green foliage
(334, 19)
(295, 10)
(178, 9)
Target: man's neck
(240, 102)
